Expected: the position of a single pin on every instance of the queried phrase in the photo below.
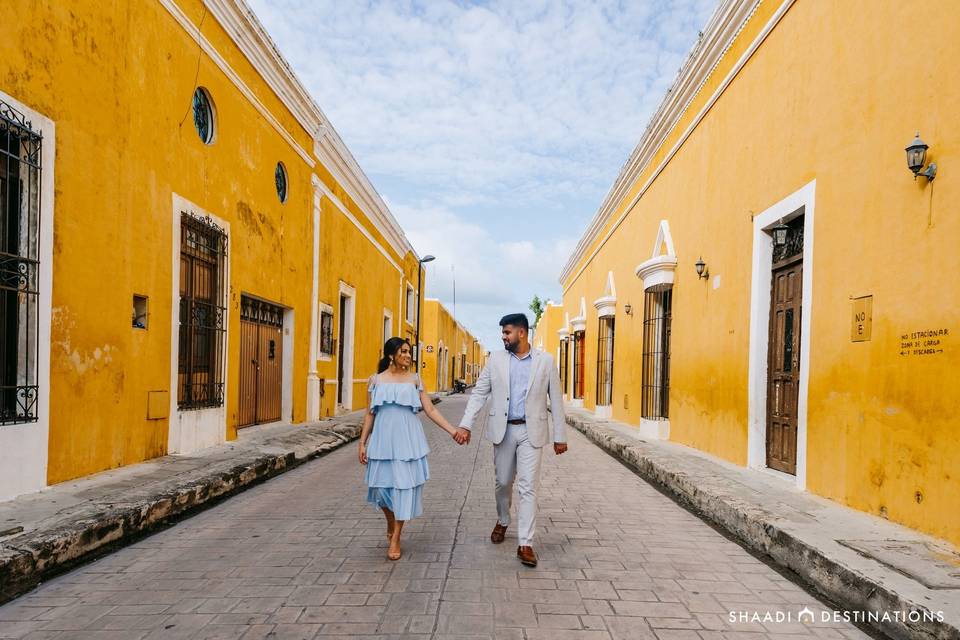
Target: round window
(203, 115)
(280, 177)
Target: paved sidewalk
(861, 562)
(44, 533)
(302, 556)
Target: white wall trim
(313, 377)
(802, 199)
(388, 317)
(198, 428)
(579, 323)
(349, 324)
(606, 304)
(406, 304)
(330, 149)
(286, 381)
(366, 233)
(654, 429)
(24, 448)
(194, 32)
(659, 269)
(726, 25)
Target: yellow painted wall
(439, 330)
(117, 78)
(823, 99)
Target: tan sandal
(394, 556)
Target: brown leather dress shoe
(499, 532)
(527, 556)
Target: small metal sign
(861, 327)
(429, 348)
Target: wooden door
(261, 362)
(783, 365)
(579, 355)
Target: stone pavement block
(796, 530)
(70, 522)
(291, 557)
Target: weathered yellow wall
(545, 335)
(439, 328)
(824, 99)
(117, 78)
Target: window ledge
(657, 271)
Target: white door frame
(350, 293)
(197, 428)
(24, 448)
(800, 202)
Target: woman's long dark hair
(390, 349)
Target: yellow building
(164, 160)
(777, 278)
(450, 351)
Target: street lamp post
(424, 259)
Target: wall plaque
(861, 327)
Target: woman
(396, 451)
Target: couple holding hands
(521, 384)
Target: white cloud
(493, 130)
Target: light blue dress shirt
(519, 381)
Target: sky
(493, 131)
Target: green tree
(537, 306)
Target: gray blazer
(544, 399)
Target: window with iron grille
(564, 368)
(655, 396)
(605, 362)
(203, 252)
(20, 148)
(326, 333)
(579, 344)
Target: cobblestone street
(303, 556)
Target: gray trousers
(516, 458)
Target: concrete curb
(31, 558)
(759, 531)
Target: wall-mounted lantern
(628, 309)
(702, 271)
(780, 234)
(917, 156)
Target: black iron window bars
(203, 252)
(20, 156)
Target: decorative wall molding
(719, 35)
(606, 304)
(253, 41)
(659, 269)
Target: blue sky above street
(493, 131)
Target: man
(520, 382)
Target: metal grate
(605, 361)
(203, 251)
(578, 356)
(657, 314)
(326, 333)
(20, 155)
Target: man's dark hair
(516, 319)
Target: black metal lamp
(780, 234)
(917, 156)
(628, 309)
(702, 271)
(420, 264)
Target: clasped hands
(461, 436)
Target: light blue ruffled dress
(397, 449)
